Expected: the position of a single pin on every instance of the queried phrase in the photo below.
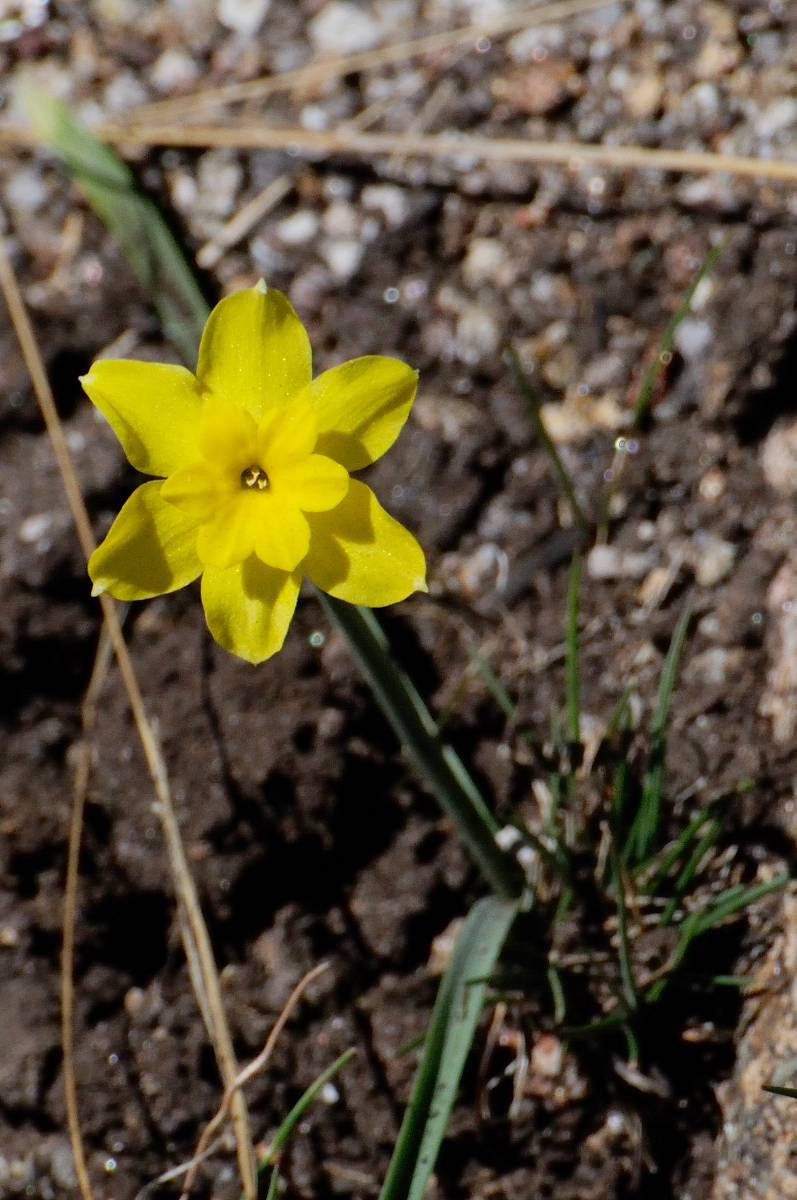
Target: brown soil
(309, 836)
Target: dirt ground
(308, 834)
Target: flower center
(254, 477)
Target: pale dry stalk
(183, 881)
(249, 1071)
(574, 155)
(82, 764)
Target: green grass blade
(451, 1030)
(669, 857)
(533, 409)
(623, 950)
(717, 910)
(145, 238)
(688, 873)
(571, 654)
(273, 1184)
(439, 764)
(300, 1107)
(646, 822)
(779, 1091)
(557, 994)
(668, 339)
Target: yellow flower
(256, 456)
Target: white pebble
(777, 116)
(26, 190)
(713, 558)
(242, 16)
(33, 528)
(609, 562)
(329, 1093)
(343, 257)
(779, 459)
(389, 200)
(299, 228)
(478, 335)
(484, 260)
(344, 28)
(173, 70)
(124, 91)
(693, 338)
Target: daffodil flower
(254, 457)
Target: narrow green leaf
(145, 238)
(273, 1184)
(454, 1020)
(668, 339)
(302, 1104)
(533, 409)
(623, 949)
(780, 1091)
(571, 653)
(439, 765)
(646, 822)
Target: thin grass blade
(448, 1041)
(299, 1108)
(646, 822)
(668, 339)
(146, 240)
(571, 655)
(533, 409)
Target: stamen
(254, 477)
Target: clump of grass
(625, 889)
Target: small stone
(341, 220)
(443, 947)
(609, 562)
(343, 257)
(779, 459)
(713, 558)
(242, 16)
(534, 43)
(564, 423)
(538, 90)
(712, 666)
(779, 115)
(62, 1167)
(547, 1056)
(26, 190)
(391, 201)
(654, 587)
(174, 71)
(715, 59)
(124, 91)
(692, 338)
(344, 28)
(642, 96)
(9, 936)
(299, 228)
(34, 528)
(484, 261)
(478, 335)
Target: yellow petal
(360, 554)
(150, 549)
(254, 351)
(287, 434)
(199, 489)
(249, 607)
(283, 537)
(362, 406)
(227, 436)
(313, 485)
(229, 536)
(153, 408)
